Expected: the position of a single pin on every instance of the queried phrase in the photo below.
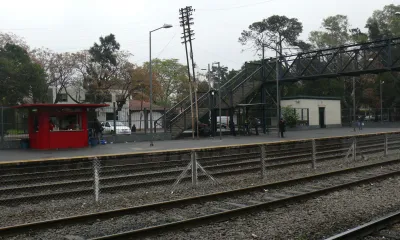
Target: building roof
(311, 97)
(138, 105)
(68, 105)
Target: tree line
(281, 34)
(26, 74)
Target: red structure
(57, 126)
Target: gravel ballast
(51, 209)
(146, 219)
(314, 219)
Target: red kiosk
(57, 126)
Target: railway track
(160, 217)
(387, 227)
(153, 162)
(25, 191)
(212, 162)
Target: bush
(14, 131)
(290, 116)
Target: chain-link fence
(113, 182)
(130, 125)
(13, 127)
(387, 115)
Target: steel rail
(368, 228)
(209, 197)
(134, 185)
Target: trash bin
(24, 143)
(93, 142)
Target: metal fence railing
(371, 115)
(53, 188)
(131, 124)
(13, 126)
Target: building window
(110, 116)
(120, 98)
(107, 98)
(62, 97)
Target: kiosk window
(67, 122)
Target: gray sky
(73, 25)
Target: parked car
(120, 128)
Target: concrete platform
(122, 148)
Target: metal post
(262, 159)
(219, 93)
(354, 148)
(114, 121)
(278, 101)
(146, 120)
(2, 127)
(314, 154)
(96, 178)
(193, 155)
(354, 104)
(151, 94)
(263, 93)
(165, 121)
(381, 98)
(385, 153)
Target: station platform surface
(132, 147)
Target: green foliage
(14, 132)
(290, 116)
(172, 77)
(273, 33)
(20, 78)
(102, 69)
(384, 23)
(336, 31)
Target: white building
(103, 114)
(322, 111)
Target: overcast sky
(73, 25)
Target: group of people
(252, 122)
(360, 122)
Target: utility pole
(183, 23)
(190, 33)
(278, 101)
(381, 97)
(219, 101)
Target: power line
(217, 55)
(235, 7)
(165, 47)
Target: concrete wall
(332, 110)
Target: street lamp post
(151, 83)
(219, 100)
(381, 97)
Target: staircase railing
(182, 108)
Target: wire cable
(235, 7)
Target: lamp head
(167, 26)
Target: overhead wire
(235, 7)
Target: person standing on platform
(232, 127)
(246, 127)
(98, 129)
(282, 126)
(255, 123)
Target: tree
(12, 39)
(384, 23)
(101, 64)
(336, 31)
(290, 116)
(273, 32)
(170, 75)
(20, 78)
